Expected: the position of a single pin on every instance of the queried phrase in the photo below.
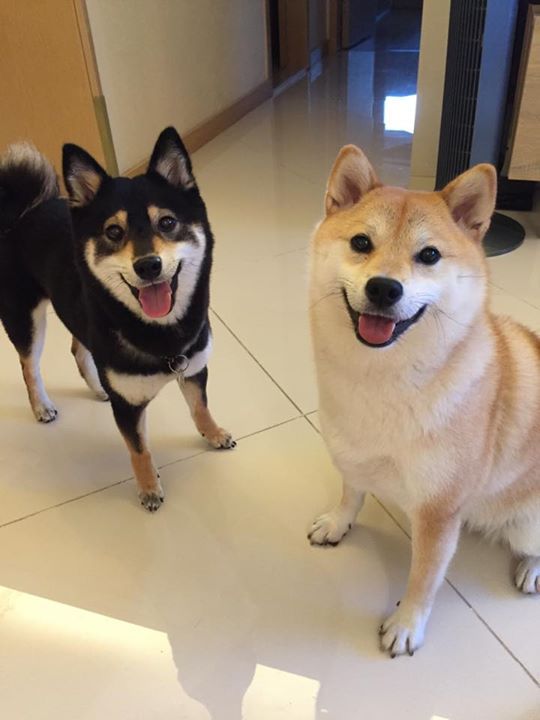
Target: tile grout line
(239, 439)
(64, 502)
(513, 296)
(131, 477)
(249, 435)
(252, 356)
(455, 589)
(301, 414)
(490, 629)
(285, 166)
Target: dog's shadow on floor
(340, 597)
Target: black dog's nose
(384, 292)
(148, 268)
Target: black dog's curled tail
(27, 179)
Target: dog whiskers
(324, 297)
(442, 312)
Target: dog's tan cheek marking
(160, 245)
(125, 253)
(154, 213)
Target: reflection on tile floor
(217, 607)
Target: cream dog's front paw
(403, 632)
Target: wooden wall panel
(525, 153)
(44, 83)
(293, 38)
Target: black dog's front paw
(220, 439)
(151, 501)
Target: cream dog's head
(392, 258)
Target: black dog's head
(144, 239)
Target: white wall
(431, 72)
(174, 62)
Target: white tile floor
(217, 607)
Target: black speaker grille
(463, 58)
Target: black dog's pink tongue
(374, 329)
(156, 299)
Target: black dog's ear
(170, 159)
(83, 176)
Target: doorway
(289, 26)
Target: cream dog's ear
(352, 176)
(471, 199)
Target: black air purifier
(479, 68)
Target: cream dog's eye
(361, 243)
(429, 255)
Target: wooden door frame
(100, 106)
(331, 45)
(295, 38)
(334, 26)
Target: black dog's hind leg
(194, 390)
(131, 421)
(41, 404)
(26, 330)
(87, 368)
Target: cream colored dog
(426, 398)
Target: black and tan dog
(126, 264)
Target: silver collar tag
(177, 364)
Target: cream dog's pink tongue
(156, 299)
(374, 329)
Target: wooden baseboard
(209, 129)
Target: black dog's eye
(361, 244)
(114, 232)
(429, 256)
(167, 223)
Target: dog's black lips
(174, 285)
(400, 328)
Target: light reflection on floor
(278, 695)
(399, 113)
(84, 661)
(123, 659)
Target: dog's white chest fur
(369, 434)
(383, 421)
(137, 389)
(140, 389)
